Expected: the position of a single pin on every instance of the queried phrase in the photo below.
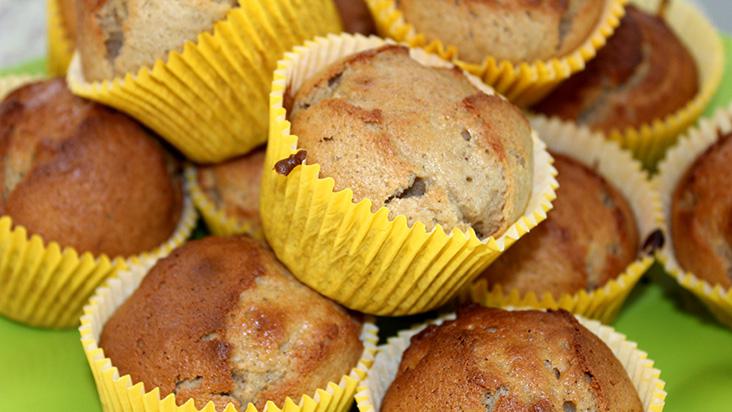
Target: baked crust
(588, 238)
(498, 361)
(84, 175)
(514, 30)
(68, 17)
(420, 141)
(701, 216)
(233, 186)
(117, 37)
(221, 320)
(644, 73)
(355, 16)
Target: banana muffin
(233, 187)
(423, 142)
(221, 320)
(701, 216)
(588, 238)
(499, 361)
(116, 37)
(355, 16)
(517, 30)
(644, 73)
(84, 175)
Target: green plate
(46, 370)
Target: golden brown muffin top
(233, 186)
(355, 16)
(83, 175)
(421, 141)
(499, 361)
(643, 73)
(588, 238)
(514, 30)
(221, 320)
(701, 216)
(121, 36)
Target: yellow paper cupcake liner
(342, 249)
(650, 141)
(10, 83)
(628, 176)
(217, 221)
(522, 83)
(645, 378)
(60, 44)
(46, 285)
(211, 100)
(671, 170)
(120, 393)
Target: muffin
(694, 187)
(221, 320)
(68, 18)
(83, 175)
(523, 31)
(355, 16)
(421, 141)
(358, 127)
(232, 190)
(644, 73)
(701, 215)
(120, 36)
(589, 238)
(496, 360)
(197, 72)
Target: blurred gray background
(23, 27)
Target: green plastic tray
(46, 370)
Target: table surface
(46, 370)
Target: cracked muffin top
(643, 73)
(514, 30)
(233, 186)
(355, 16)
(121, 36)
(84, 175)
(701, 216)
(588, 238)
(421, 141)
(221, 320)
(491, 360)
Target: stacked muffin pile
(393, 182)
